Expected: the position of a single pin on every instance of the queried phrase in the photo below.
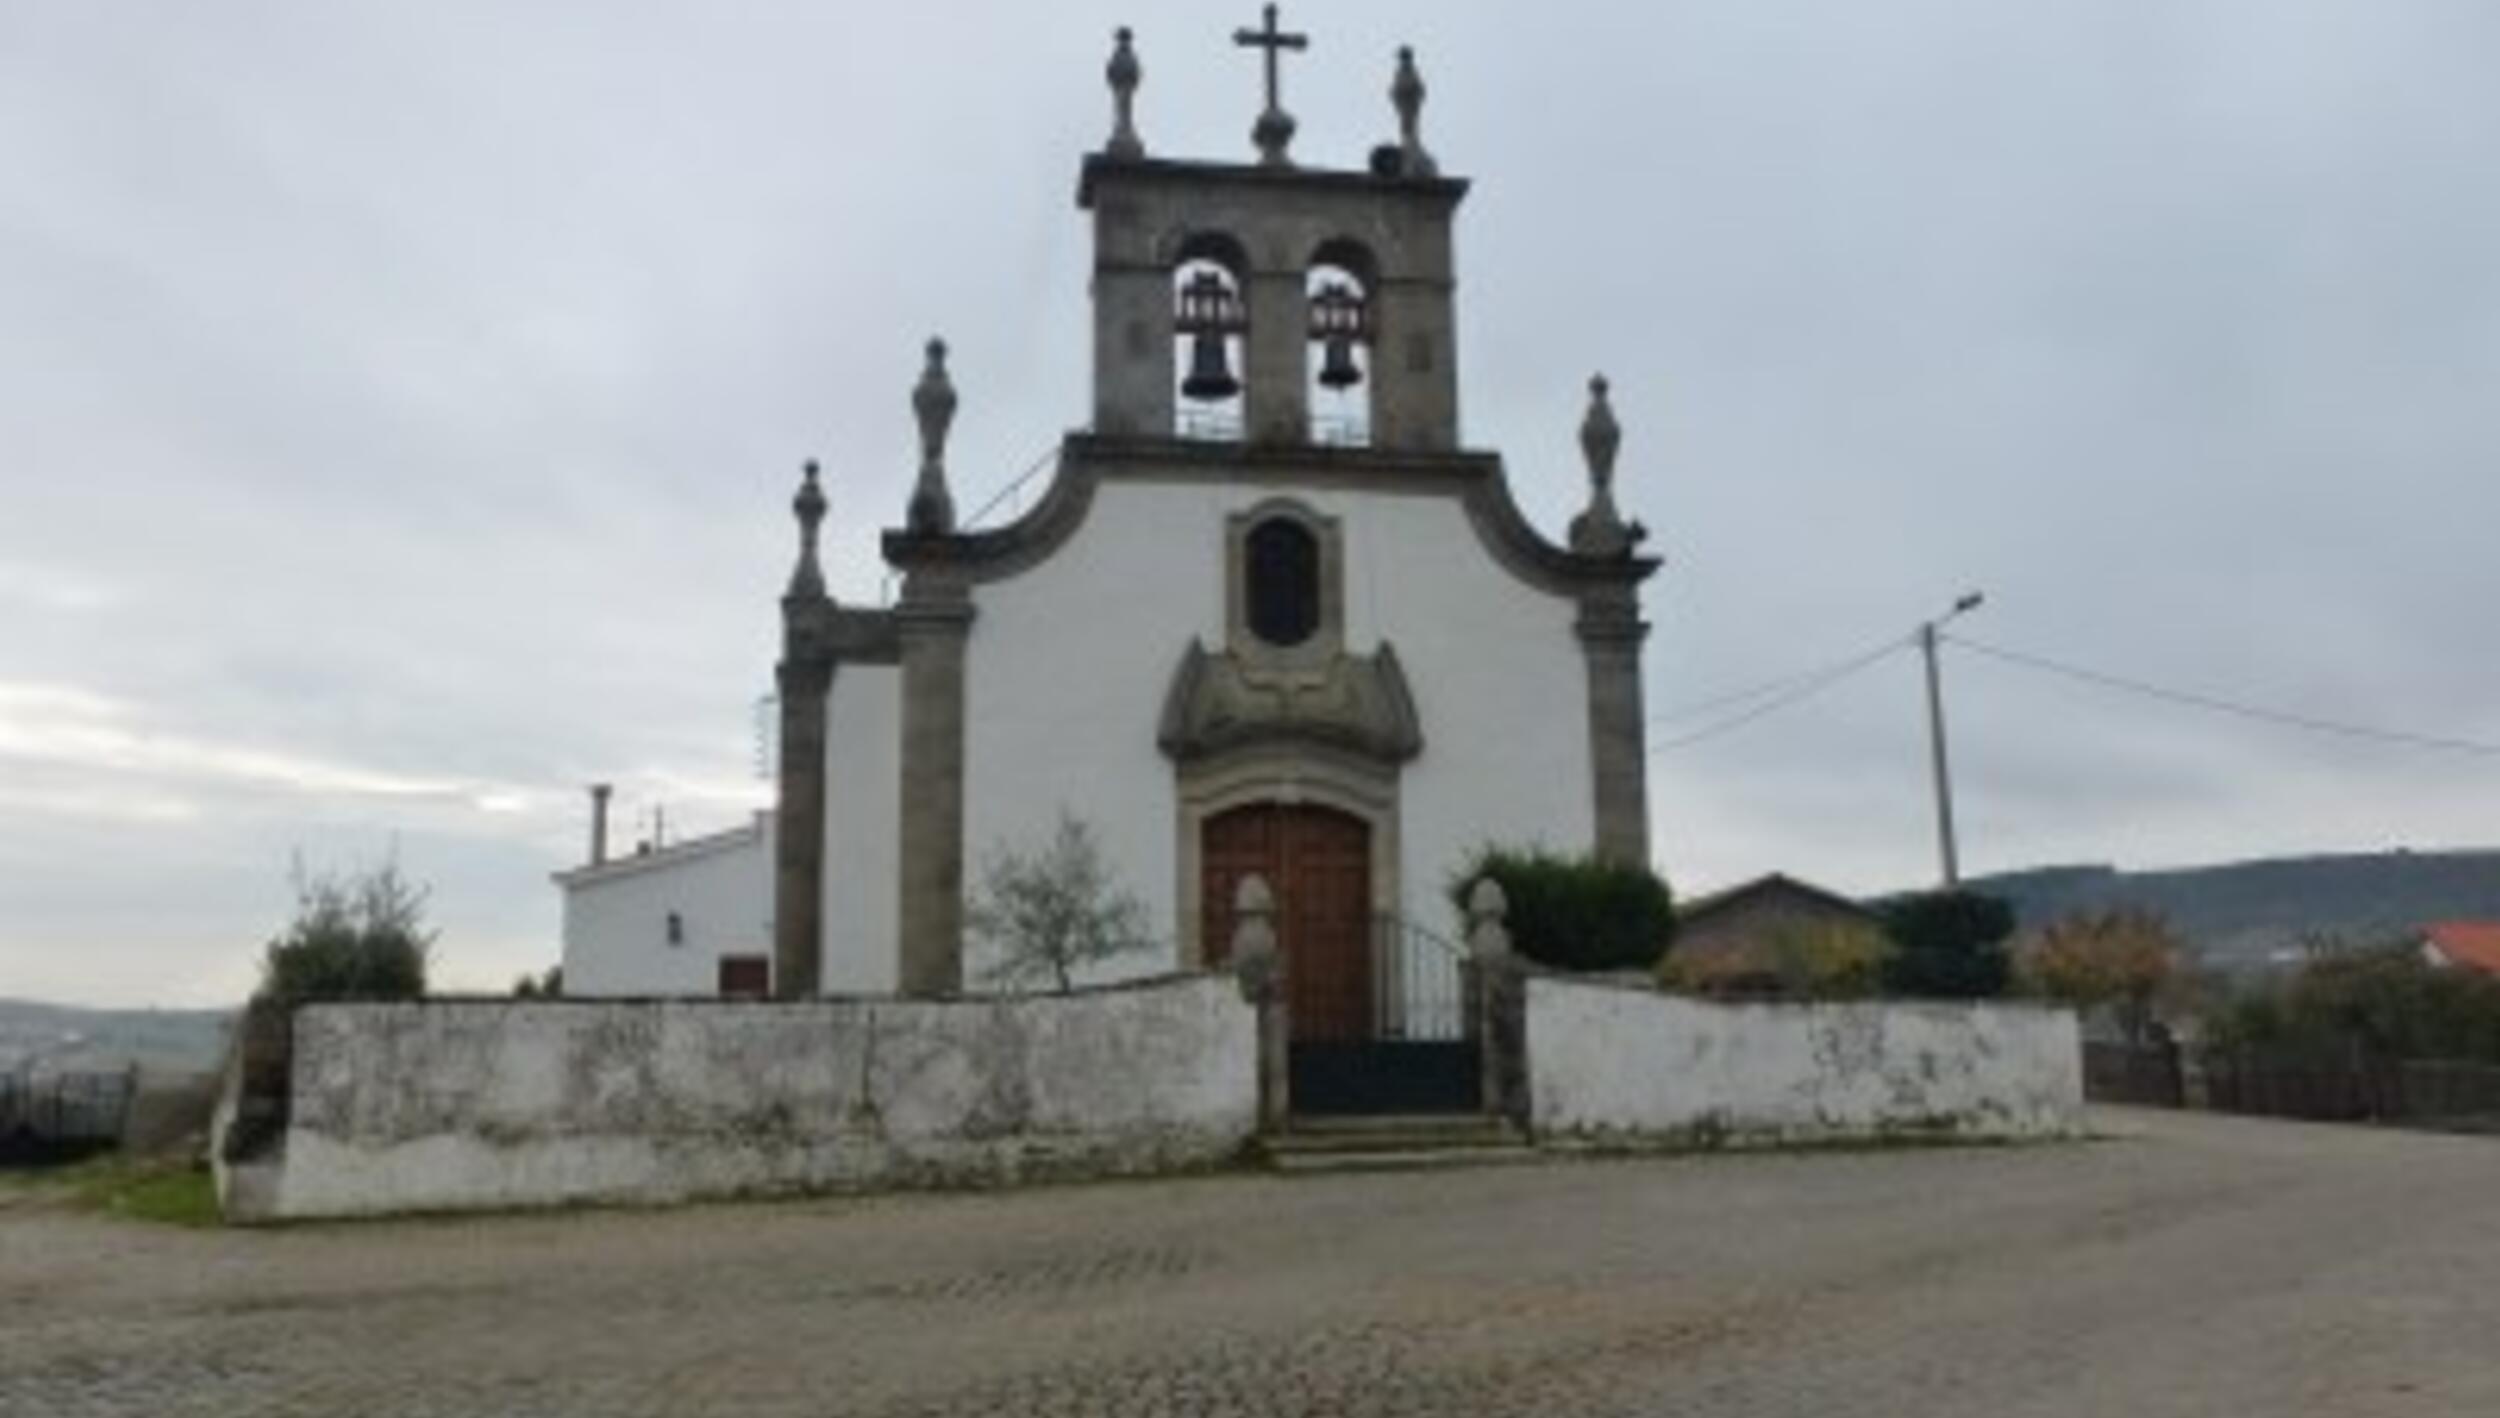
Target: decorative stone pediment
(1220, 701)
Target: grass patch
(167, 1193)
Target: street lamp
(1967, 602)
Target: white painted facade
(1069, 664)
(863, 849)
(618, 937)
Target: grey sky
(399, 405)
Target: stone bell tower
(1289, 258)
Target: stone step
(1373, 1138)
(1307, 1163)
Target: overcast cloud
(399, 405)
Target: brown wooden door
(1318, 862)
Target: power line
(2283, 717)
(1805, 688)
(1757, 690)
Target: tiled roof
(2470, 943)
(1701, 906)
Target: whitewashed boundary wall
(454, 1105)
(1627, 1065)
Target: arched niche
(1341, 284)
(1210, 274)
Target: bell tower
(1225, 293)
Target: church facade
(1271, 617)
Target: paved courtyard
(2196, 1265)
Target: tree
(355, 936)
(2121, 960)
(1948, 945)
(547, 986)
(2376, 1001)
(1575, 913)
(1050, 913)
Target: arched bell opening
(1210, 330)
(1337, 290)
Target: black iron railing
(1422, 988)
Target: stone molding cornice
(1101, 169)
(1086, 460)
(819, 633)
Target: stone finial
(1488, 912)
(1406, 91)
(1600, 530)
(1254, 957)
(932, 508)
(1123, 73)
(807, 580)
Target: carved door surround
(1282, 775)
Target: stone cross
(1274, 130)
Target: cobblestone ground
(2193, 1266)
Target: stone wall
(1628, 1065)
(451, 1105)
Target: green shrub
(1948, 945)
(2380, 1001)
(360, 936)
(1576, 913)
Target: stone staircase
(1392, 1142)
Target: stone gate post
(1260, 967)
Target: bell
(1210, 377)
(1337, 369)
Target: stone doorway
(1379, 1017)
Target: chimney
(599, 823)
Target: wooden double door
(1318, 864)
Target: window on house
(1281, 566)
(676, 929)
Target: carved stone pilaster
(933, 622)
(1611, 631)
(799, 852)
(805, 677)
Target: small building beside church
(1274, 615)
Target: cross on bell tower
(1274, 130)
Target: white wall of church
(1069, 663)
(863, 802)
(616, 917)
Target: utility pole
(1927, 637)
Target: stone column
(1611, 631)
(799, 855)
(933, 623)
(1274, 409)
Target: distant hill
(63, 1038)
(2239, 913)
